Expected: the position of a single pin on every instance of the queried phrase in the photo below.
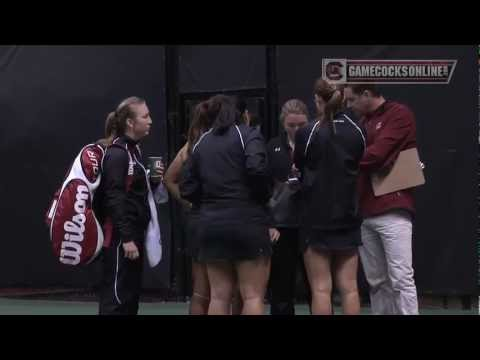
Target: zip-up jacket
(328, 157)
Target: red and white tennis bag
(76, 235)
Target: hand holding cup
(157, 168)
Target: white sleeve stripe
(241, 138)
(201, 138)
(310, 137)
(360, 131)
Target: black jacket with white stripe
(229, 170)
(121, 199)
(280, 156)
(328, 156)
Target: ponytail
(333, 105)
(110, 129)
(332, 96)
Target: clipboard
(406, 173)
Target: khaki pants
(386, 256)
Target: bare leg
(346, 267)
(201, 290)
(253, 279)
(317, 265)
(237, 303)
(221, 276)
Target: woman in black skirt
(227, 177)
(200, 285)
(327, 154)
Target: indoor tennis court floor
(57, 307)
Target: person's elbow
(169, 183)
(188, 191)
(374, 162)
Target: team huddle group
(252, 210)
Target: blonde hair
(293, 106)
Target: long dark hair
(222, 113)
(198, 124)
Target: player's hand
(274, 235)
(131, 250)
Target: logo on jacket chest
(378, 126)
(131, 163)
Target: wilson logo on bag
(76, 235)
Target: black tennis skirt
(231, 234)
(331, 240)
(191, 232)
